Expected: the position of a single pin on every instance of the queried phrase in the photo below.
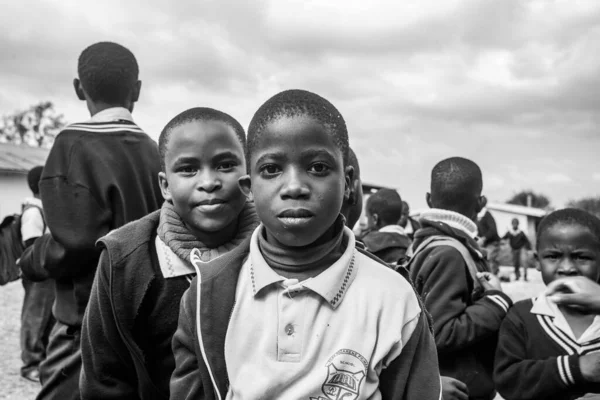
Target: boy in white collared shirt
(550, 351)
(301, 313)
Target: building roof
(21, 158)
(516, 209)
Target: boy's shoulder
(521, 310)
(123, 241)
(76, 132)
(374, 273)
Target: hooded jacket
(466, 323)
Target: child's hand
(489, 281)
(590, 367)
(453, 389)
(575, 291)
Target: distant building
(15, 162)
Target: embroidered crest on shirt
(346, 371)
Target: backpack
(439, 240)
(12, 246)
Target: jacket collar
(452, 219)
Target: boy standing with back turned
(450, 273)
(100, 175)
(293, 315)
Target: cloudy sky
(511, 84)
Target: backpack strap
(439, 240)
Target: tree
(37, 126)
(589, 204)
(529, 198)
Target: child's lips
(295, 217)
(211, 205)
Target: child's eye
(319, 168)
(226, 166)
(187, 170)
(270, 169)
(551, 256)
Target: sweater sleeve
(442, 279)
(107, 367)
(414, 374)
(186, 380)
(517, 376)
(75, 215)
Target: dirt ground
(13, 387)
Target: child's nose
(567, 267)
(294, 187)
(208, 182)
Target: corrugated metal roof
(21, 158)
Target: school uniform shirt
(32, 219)
(538, 354)
(517, 239)
(355, 331)
(99, 175)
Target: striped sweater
(537, 358)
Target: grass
(11, 296)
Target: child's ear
(135, 94)
(245, 185)
(428, 200)
(481, 203)
(78, 89)
(349, 178)
(164, 187)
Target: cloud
(509, 84)
(558, 178)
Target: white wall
(13, 190)
(504, 223)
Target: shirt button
(289, 329)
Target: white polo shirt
(323, 338)
(32, 220)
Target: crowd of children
(221, 264)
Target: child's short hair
(197, 114)
(108, 72)
(514, 220)
(33, 179)
(569, 216)
(387, 204)
(456, 184)
(296, 102)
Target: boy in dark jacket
(546, 350)
(99, 175)
(145, 266)
(36, 315)
(489, 239)
(385, 239)
(466, 321)
(287, 317)
(518, 241)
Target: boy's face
(515, 224)
(297, 179)
(203, 162)
(568, 250)
(371, 221)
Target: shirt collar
(542, 305)
(112, 114)
(170, 264)
(331, 284)
(452, 219)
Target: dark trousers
(59, 372)
(517, 255)
(36, 322)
